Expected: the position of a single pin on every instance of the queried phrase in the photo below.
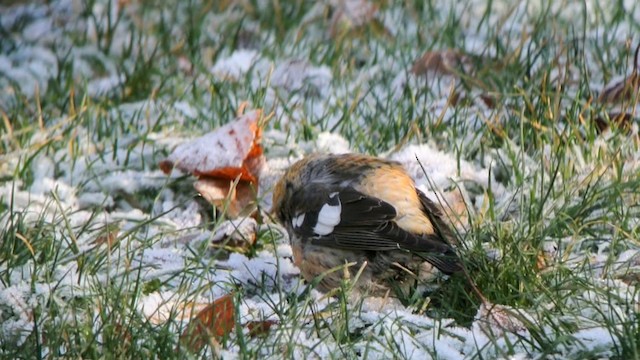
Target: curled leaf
(235, 198)
(624, 121)
(260, 328)
(350, 14)
(228, 162)
(489, 101)
(624, 90)
(496, 319)
(108, 236)
(441, 62)
(228, 152)
(546, 256)
(631, 278)
(455, 208)
(238, 234)
(214, 322)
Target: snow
(298, 75)
(102, 86)
(236, 65)
(243, 228)
(186, 109)
(225, 147)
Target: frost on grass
(236, 65)
(92, 206)
(298, 76)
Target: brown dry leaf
(260, 328)
(621, 120)
(214, 322)
(228, 162)
(237, 198)
(239, 235)
(228, 152)
(489, 101)
(441, 62)
(453, 63)
(455, 208)
(109, 236)
(496, 319)
(624, 90)
(631, 279)
(547, 256)
(351, 14)
(123, 334)
(542, 261)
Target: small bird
(365, 211)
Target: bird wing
(347, 219)
(434, 213)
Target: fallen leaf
(623, 121)
(631, 279)
(350, 14)
(239, 234)
(496, 319)
(228, 152)
(123, 334)
(624, 90)
(546, 257)
(260, 328)
(441, 62)
(489, 100)
(228, 162)
(542, 262)
(621, 91)
(236, 198)
(213, 323)
(108, 235)
(455, 208)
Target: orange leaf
(214, 322)
(238, 198)
(229, 155)
(541, 261)
(228, 152)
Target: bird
(366, 212)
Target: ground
(505, 113)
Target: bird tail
(447, 262)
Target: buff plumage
(358, 209)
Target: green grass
(65, 292)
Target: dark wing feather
(434, 214)
(366, 224)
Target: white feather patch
(328, 217)
(298, 220)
